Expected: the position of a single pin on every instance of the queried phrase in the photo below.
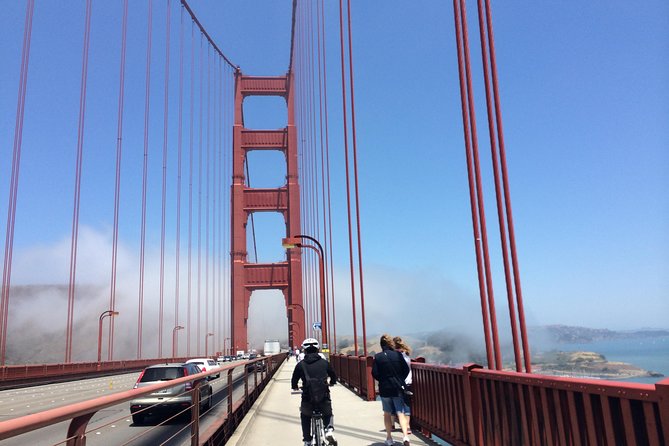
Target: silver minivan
(172, 399)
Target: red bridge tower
(285, 276)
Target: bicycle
(317, 429)
(318, 437)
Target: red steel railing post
(230, 392)
(472, 406)
(195, 416)
(662, 389)
(371, 391)
(76, 432)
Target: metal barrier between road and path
(37, 374)
(81, 413)
(480, 407)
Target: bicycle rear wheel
(318, 432)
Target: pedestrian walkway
(274, 419)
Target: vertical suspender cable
(479, 191)
(117, 185)
(313, 162)
(507, 195)
(496, 174)
(213, 206)
(221, 122)
(179, 166)
(355, 178)
(161, 310)
(472, 196)
(348, 181)
(189, 324)
(198, 331)
(144, 185)
(206, 201)
(14, 181)
(77, 186)
(327, 173)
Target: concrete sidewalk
(274, 419)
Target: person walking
(390, 370)
(314, 370)
(403, 348)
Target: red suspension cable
(177, 273)
(476, 194)
(190, 191)
(161, 309)
(355, 178)
(329, 205)
(496, 175)
(77, 186)
(507, 195)
(140, 311)
(117, 184)
(348, 181)
(14, 181)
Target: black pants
(306, 425)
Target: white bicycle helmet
(310, 342)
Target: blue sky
(585, 102)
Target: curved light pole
(174, 339)
(110, 313)
(293, 242)
(206, 343)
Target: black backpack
(315, 388)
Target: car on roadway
(172, 399)
(206, 365)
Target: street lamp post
(292, 242)
(174, 339)
(206, 343)
(104, 314)
(225, 348)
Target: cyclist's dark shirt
(317, 367)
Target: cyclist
(314, 370)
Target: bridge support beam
(247, 277)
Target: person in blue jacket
(390, 370)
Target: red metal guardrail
(355, 372)
(481, 407)
(259, 371)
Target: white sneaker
(390, 442)
(405, 442)
(307, 443)
(330, 438)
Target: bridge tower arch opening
(286, 275)
(268, 318)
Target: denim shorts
(395, 404)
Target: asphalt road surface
(111, 426)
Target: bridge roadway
(111, 426)
(274, 419)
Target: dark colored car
(172, 399)
(258, 366)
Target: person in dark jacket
(317, 367)
(390, 370)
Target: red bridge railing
(481, 407)
(256, 375)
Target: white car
(206, 365)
